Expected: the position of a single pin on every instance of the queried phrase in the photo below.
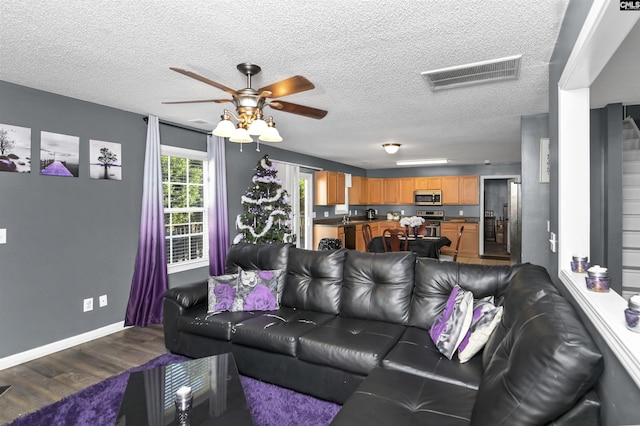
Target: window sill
(606, 312)
(186, 266)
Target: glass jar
(579, 263)
(598, 279)
(632, 313)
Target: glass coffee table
(218, 398)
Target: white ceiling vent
(479, 72)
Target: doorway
(497, 218)
(305, 213)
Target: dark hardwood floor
(48, 379)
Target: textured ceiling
(365, 59)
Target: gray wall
(534, 195)
(615, 388)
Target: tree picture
(105, 160)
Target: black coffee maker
(371, 214)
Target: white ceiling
(365, 59)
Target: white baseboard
(41, 351)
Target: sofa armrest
(188, 296)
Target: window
(184, 182)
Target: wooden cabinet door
(391, 191)
(320, 185)
(360, 243)
(407, 186)
(320, 232)
(375, 190)
(341, 188)
(449, 230)
(469, 244)
(358, 191)
(332, 188)
(469, 190)
(450, 190)
(375, 229)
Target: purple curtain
(150, 274)
(217, 208)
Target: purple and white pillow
(221, 292)
(452, 325)
(257, 291)
(486, 317)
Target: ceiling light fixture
(391, 148)
(422, 162)
(249, 105)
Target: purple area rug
(99, 404)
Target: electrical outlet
(402, 212)
(356, 212)
(552, 242)
(3, 236)
(87, 304)
(102, 301)
(326, 214)
(461, 212)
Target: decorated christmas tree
(267, 212)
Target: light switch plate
(3, 236)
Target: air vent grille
(479, 72)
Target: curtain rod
(177, 126)
(296, 164)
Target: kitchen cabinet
(407, 186)
(460, 190)
(428, 182)
(376, 190)
(391, 191)
(469, 192)
(320, 232)
(329, 188)
(469, 243)
(358, 193)
(450, 190)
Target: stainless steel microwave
(427, 197)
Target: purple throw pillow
(222, 291)
(257, 291)
(452, 325)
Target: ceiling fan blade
(218, 101)
(298, 109)
(295, 84)
(205, 80)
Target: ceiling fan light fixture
(258, 126)
(271, 134)
(240, 135)
(225, 127)
(391, 148)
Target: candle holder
(632, 313)
(598, 279)
(579, 263)
(184, 400)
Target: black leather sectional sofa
(353, 328)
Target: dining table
(422, 246)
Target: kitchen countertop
(337, 221)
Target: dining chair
(455, 253)
(391, 240)
(367, 235)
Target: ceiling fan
(250, 102)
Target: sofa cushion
(277, 331)
(528, 285)
(415, 353)
(452, 325)
(434, 281)
(543, 366)
(314, 280)
(350, 344)
(217, 325)
(378, 286)
(389, 397)
(221, 292)
(259, 257)
(257, 290)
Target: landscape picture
(59, 154)
(15, 149)
(105, 160)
